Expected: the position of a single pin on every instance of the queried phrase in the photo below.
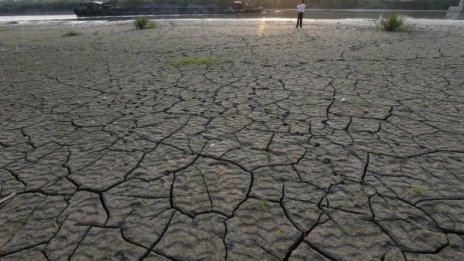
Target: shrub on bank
(394, 22)
(71, 33)
(143, 23)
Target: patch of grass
(84, 46)
(394, 22)
(241, 107)
(2, 30)
(278, 232)
(417, 188)
(218, 170)
(143, 22)
(196, 61)
(95, 56)
(72, 33)
(261, 203)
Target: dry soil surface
(331, 142)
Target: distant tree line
(32, 6)
(387, 4)
(50, 6)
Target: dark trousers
(300, 20)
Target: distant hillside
(50, 6)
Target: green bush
(196, 60)
(394, 22)
(71, 33)
(143, 22)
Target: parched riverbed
(333, 142)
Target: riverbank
(225, 139)
(267, 14)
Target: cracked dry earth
(335, 142)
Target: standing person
(301, 8)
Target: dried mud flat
(334, 142)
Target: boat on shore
(97, 8)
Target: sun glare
(261, 27)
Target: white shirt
(301, 8)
